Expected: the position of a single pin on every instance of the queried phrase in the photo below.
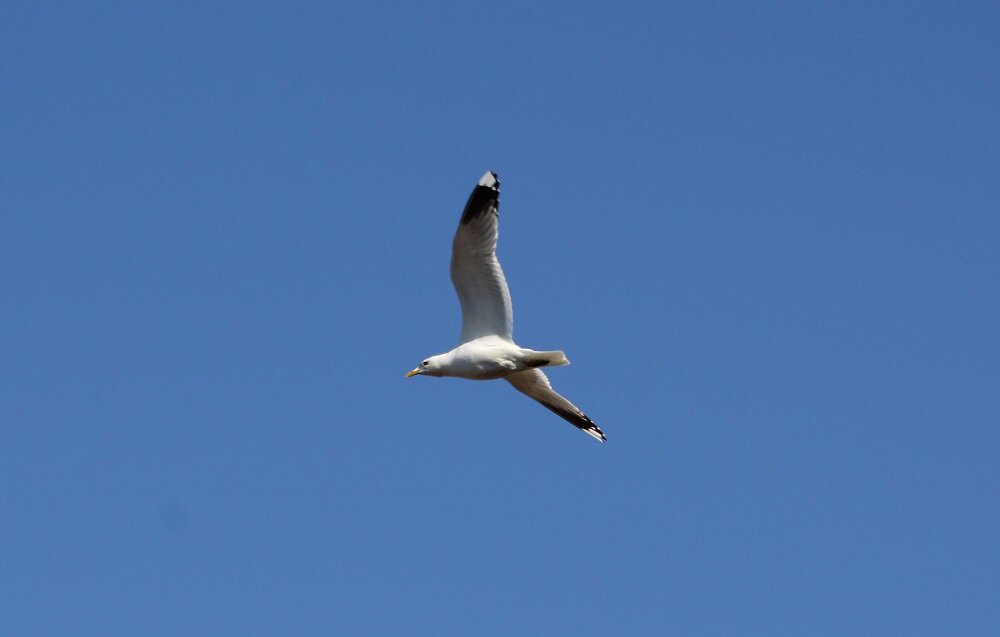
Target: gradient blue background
(767, 236)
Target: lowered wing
(534, 383)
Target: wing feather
(475, 271)
(534, 383)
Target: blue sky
(767, 236)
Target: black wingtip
(485, 197)
(579, 420)
(595, 432)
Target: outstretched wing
(475, 271)
(535, 384)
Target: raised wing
(535, 384)
(475, 271)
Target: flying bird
(487, 349)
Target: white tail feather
(545, 359)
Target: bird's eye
(424, 363)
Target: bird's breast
(481, 363)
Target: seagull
(487, 350)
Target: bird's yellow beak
(413, 372)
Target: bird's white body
(489, 358)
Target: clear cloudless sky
(766, 234)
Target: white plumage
(487, 349)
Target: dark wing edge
(485, 196)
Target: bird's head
(428, 367)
